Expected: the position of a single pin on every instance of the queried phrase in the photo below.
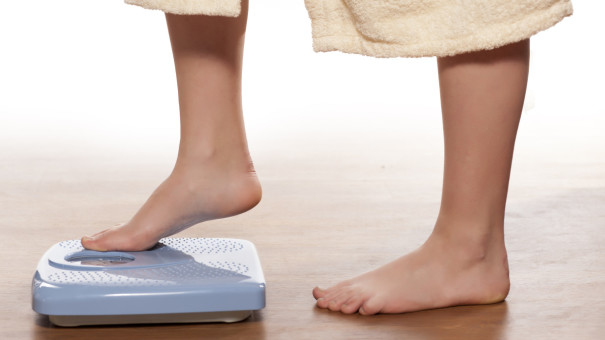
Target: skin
(464, 260)
(213, 176)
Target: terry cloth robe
(404, 28)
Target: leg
(213, 176)
(464, 261)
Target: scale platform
(180, 280)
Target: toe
(334, 300)
(330, 300)
(332, 294)
(91, 242)
(351, 305)
(370, 307)
(95, 242)
(336, 303)
(322, 303)
(111, 239)
(322, 293)
(98, 241)
(119, 238)
(319, 293)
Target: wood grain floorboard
(325, 218)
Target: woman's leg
(213, 176)
(464, 261)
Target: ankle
(223, 162)
(470, 242)
(477, 228)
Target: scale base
(90, 320)
(180, 280)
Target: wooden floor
(334, 206)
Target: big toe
(319, 293)
(94, 242)
(89, 242)
(102, 242)
(116, 238)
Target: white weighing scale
(180, 280)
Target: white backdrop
(81, 74)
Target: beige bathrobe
(404, 28)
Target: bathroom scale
(180, 280)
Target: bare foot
(191, 194)
(442, 273)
